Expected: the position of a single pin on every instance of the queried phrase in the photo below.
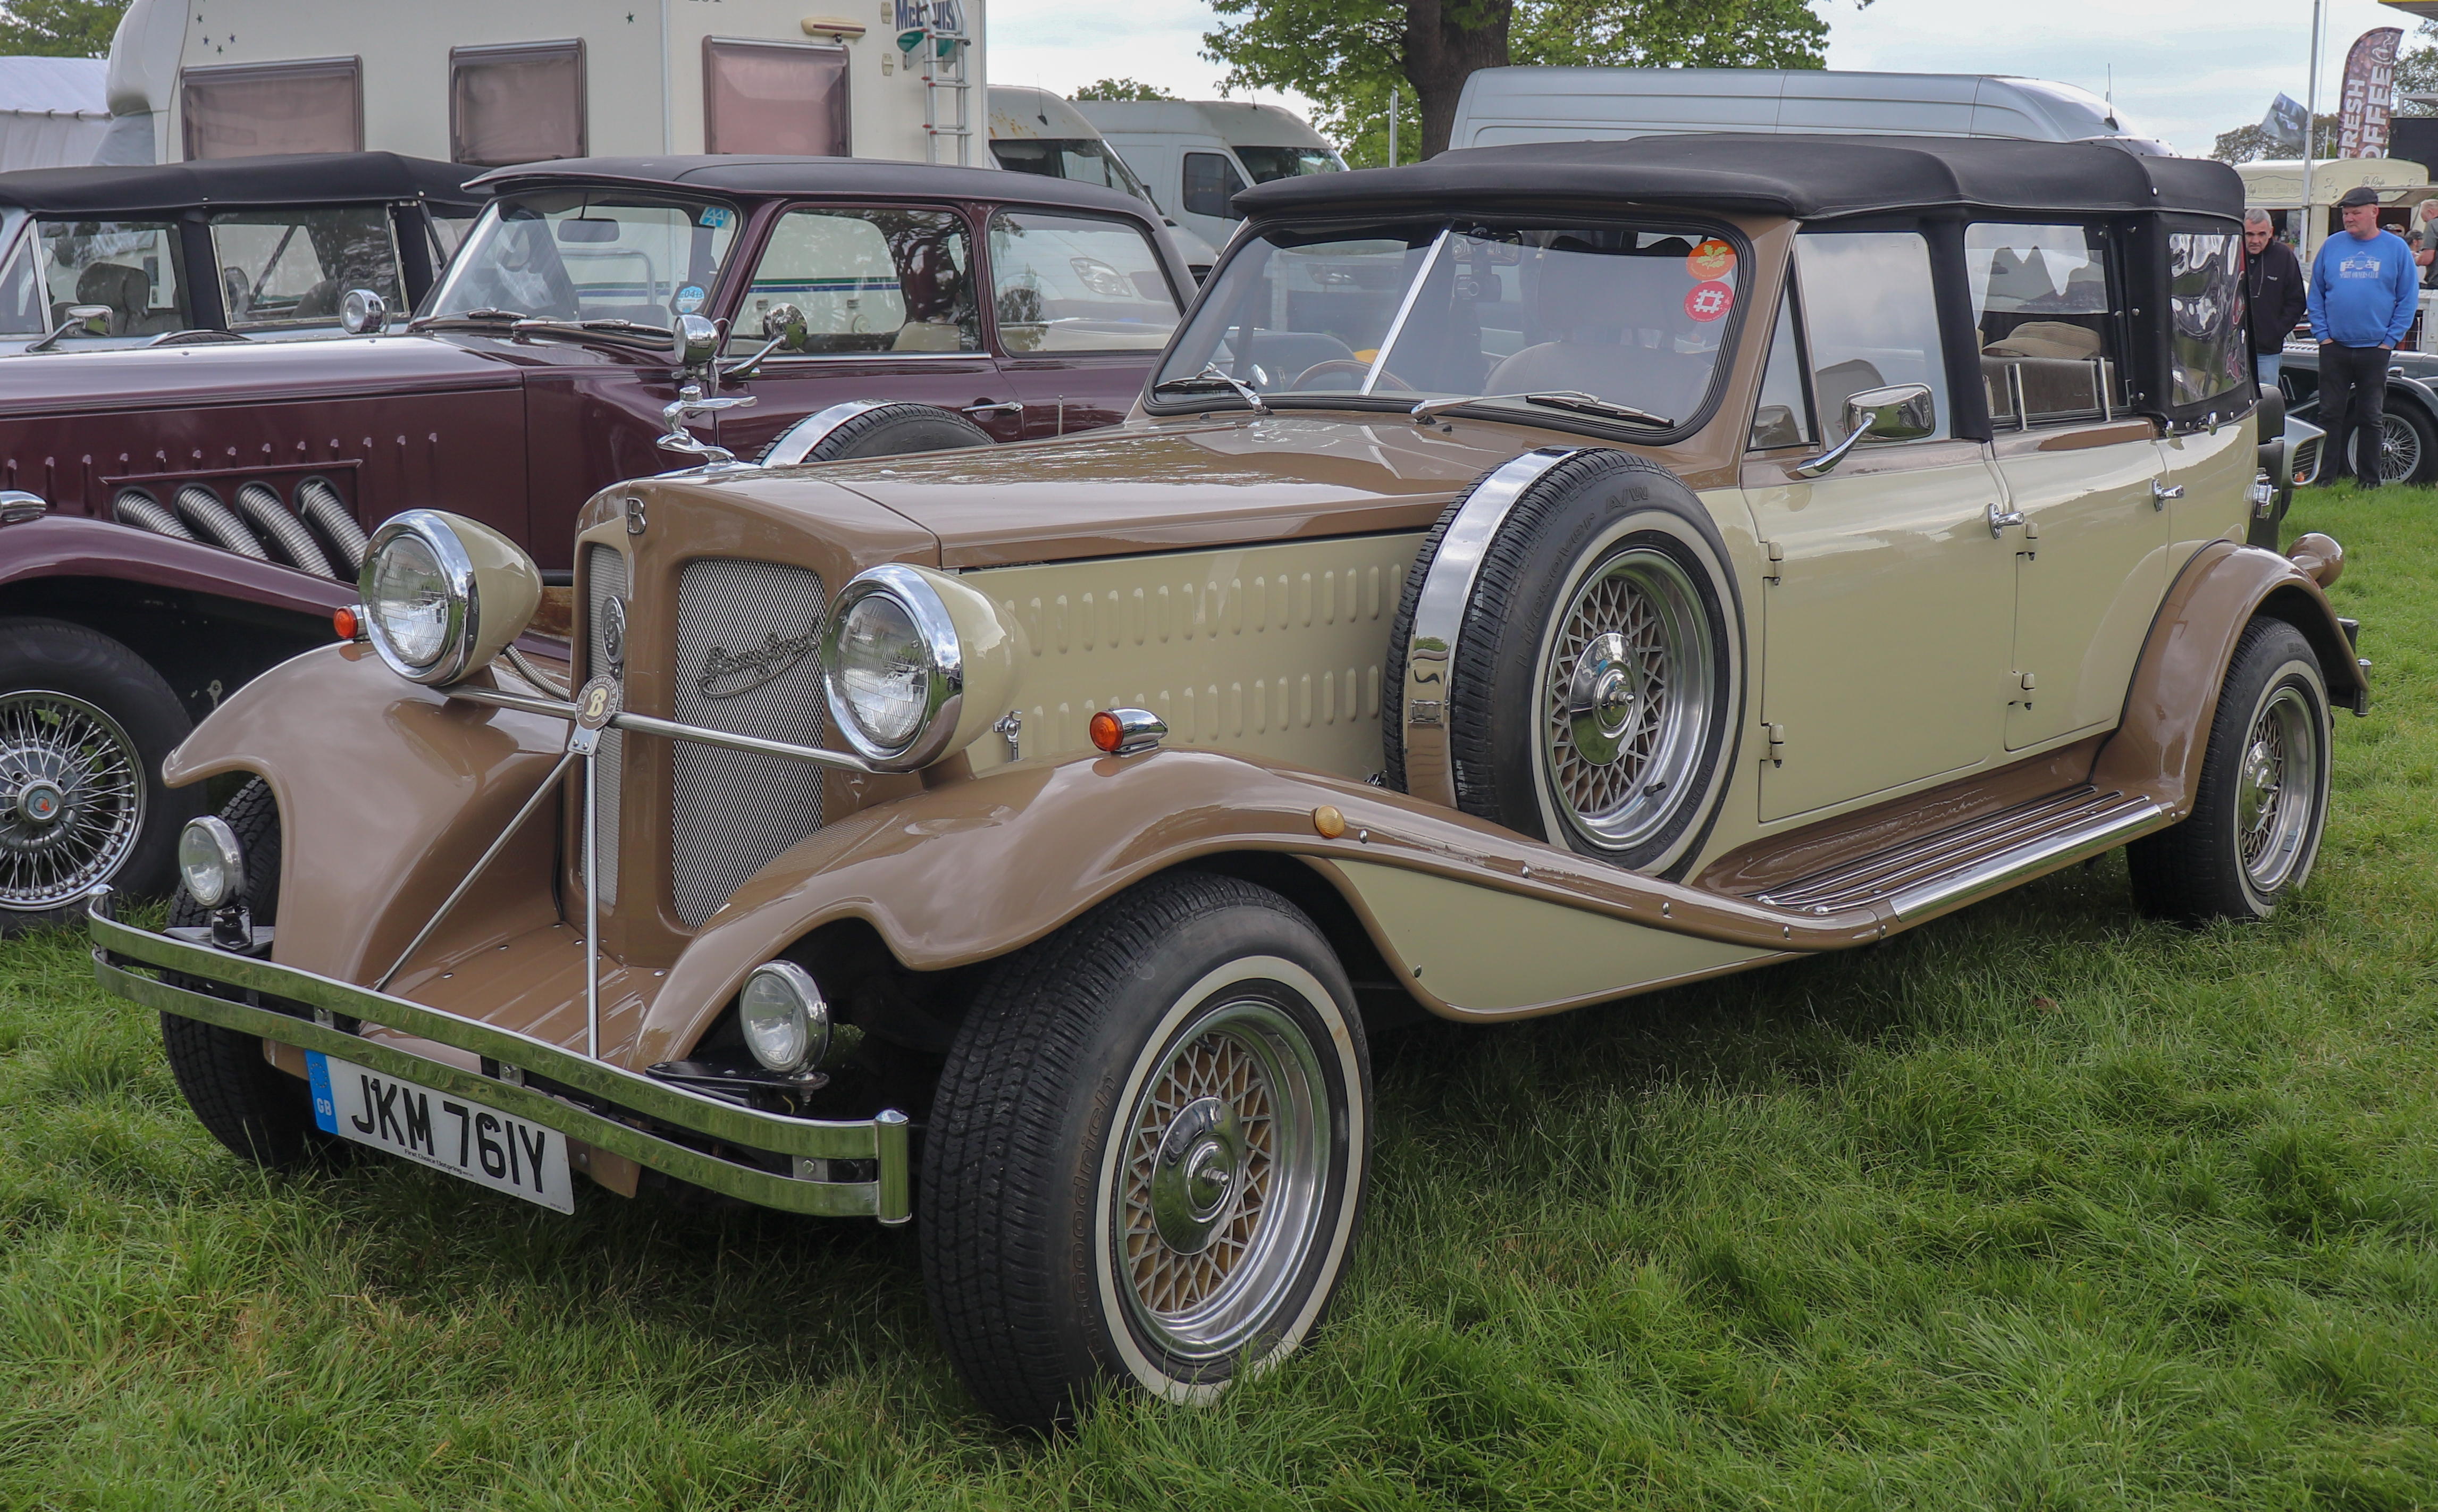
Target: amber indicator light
(1106, 732)
(1328, 821)
(344, 622)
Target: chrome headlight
(895, 668)
(210, 862)
(444, 594)
(785, 1020)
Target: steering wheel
(1335, 365)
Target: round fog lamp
(210, 863)
(786, 1021)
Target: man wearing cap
(2364, 288)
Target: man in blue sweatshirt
(2363, 289)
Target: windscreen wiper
(1583, 403)
(467, 320)
(1211, 377)
(626, 334)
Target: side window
(515, 104)
(2206, 354)
(1064, 283)
(1210, 181)
(250, 108)
(21, 306)
(132, 266)
(867, 281)
(1783, 416)
(292, 267)
(2041, 311)
(1868, 310)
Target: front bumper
(658, 1125)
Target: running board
(1969, 860)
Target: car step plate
(484, 1145)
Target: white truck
(482, 82)
(1197, 154)
(1033, 130)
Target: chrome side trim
(810, 432)
(1439, 617)
(883, 1138)
(1997, 872)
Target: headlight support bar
(666, 729)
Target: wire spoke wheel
(1221, 1199)
(72, 798)
(2276, 789)
(2399, 450)
(1627, 690)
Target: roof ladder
(936, 30)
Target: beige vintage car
(1532, 578)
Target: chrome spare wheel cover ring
(2277, 788)
(1221, 1199)
(71, 798)
(1629, 686)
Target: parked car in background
(2407, 450)
(1195, 154)
(1536, 576)
(184, 516)
(1033, 130)
(264, 247)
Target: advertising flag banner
(2369, 95)
(2286, 123)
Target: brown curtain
(258, 109)
(761, 97)
(520, 104)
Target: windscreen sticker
(689, 299)
(713, 218)
(1707, 302)
(1712, 260)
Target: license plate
(441, 1130)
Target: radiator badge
(728, 674)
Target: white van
(484, 82)
(1195, 154)
(1033, 130)
(1503, 105)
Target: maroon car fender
(72, 546)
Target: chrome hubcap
(1629, 693)
(71, 798)
(1227, 1153)
(2278, 784)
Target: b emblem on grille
(613, 634)
(727, 674)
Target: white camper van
(484, 82)
(1033, 130)
(1504, 105)
(1195, 154)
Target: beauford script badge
(727, 674)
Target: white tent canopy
(53, 111)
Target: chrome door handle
(2001, 518)
(2161, 491)
(993, 407)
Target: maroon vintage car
(177, 519)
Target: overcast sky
(2185, 69)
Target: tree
(1121, 89)
(2246, 143)
(1348, 55)
(59, 28)
(2416, 72)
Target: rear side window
(1063, 283)
(867, 281)
(2206, 356)
(294, 267)
(2041, 312)
(1210, 181)
(1869, 312)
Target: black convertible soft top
(285, 179)
(1809, 178)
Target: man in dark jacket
(2273, 281)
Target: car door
(892, 312)
(2086, 516)
(1080, 307)
(1887, 608)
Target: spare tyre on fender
(1568, 658)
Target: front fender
(73, 546)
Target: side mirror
(82, 320)
(362, 312)
(783, 324)
(1901, 411)
(693, 342)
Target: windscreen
(1617, 322)
(590, 254)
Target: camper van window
(1210, 181)
(516, 104)
(1783, 416)
(252, 108)
(1078, 159)
(294, 267)
(868, 281)
(21, 306)
(1872, 319)
(1267, 163)
(589, 255)
(1611, 322)
(1064, 283)
(2041, 307)
(2206, 352)
(774, 96)
(132, 266)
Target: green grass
(2039, 1207)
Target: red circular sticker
(1711, 260)
(1707, 302)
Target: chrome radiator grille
(605, 571)
(747, 663)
